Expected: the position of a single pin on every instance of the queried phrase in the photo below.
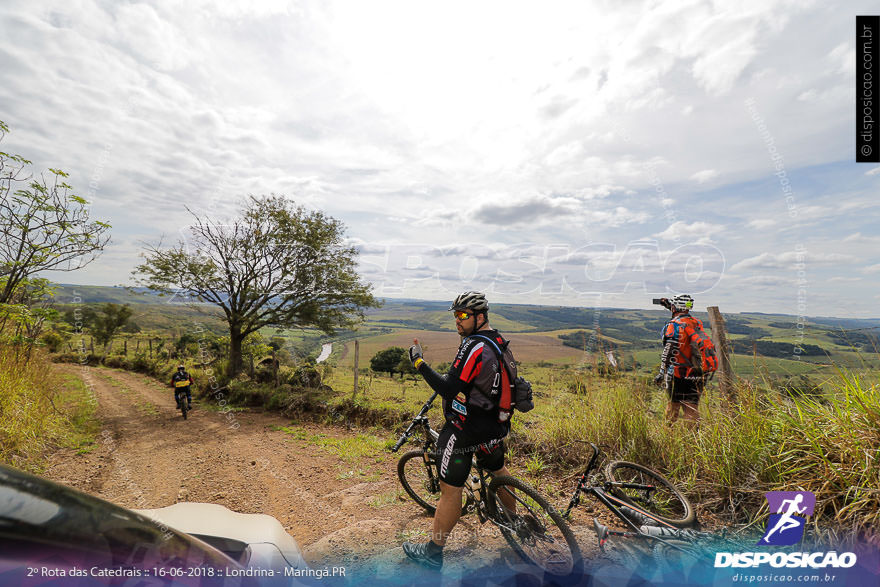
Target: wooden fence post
(150, 340)
(356, 353)
(125, 347)
(722, 348)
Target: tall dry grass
(763, 441)
(39, 410)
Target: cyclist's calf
(447, 514)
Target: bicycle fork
(576, 497)
(582, 483)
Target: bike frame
(488, 504)
(477, 500)
(615, 504)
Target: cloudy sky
(557, 153)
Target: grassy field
(760, 441)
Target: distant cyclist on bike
(473, 420)
(181, 382)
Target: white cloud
(607, 126)
(704, 176)
(683, 231)
(859, 238)
(767, 281)
(761, 223)
(790, 259)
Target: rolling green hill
(761, 342)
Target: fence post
(357, 349)
(125, 347)
(722, 347)
(150, 340)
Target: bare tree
(277, 265)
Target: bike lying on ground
(645, 501)
(535, 530)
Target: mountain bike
(533, 529)
(645, 501)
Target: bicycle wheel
(421, 480)
(658, 496)
(535, 530)
(181, 401)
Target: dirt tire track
(147, 456)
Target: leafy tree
(275, 265)
(387, 360)
(131, 327)
(27, 311)
(43, 225)
(109, 321)
(405, 366)
(186, 343)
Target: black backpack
(513, 392)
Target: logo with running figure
(786, 526)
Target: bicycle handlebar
(415, 420)
(399, 443)
(427, 406)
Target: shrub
(305, 376)
(53, 340)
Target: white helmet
(682, 302)
(471, 300)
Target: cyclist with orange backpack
(687, 360)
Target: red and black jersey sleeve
(465, 367)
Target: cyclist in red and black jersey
(474, 423)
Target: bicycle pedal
(601, 533)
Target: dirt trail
(342, 511)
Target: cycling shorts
(456, 450)
(685, 390)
